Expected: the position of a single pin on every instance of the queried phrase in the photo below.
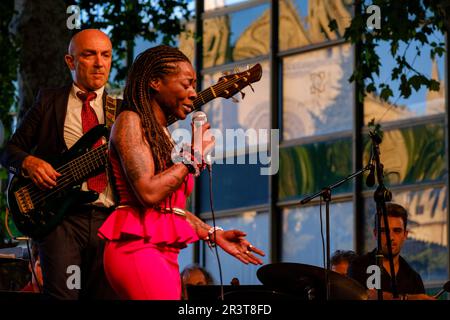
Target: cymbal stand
(381, 196)
(325, 193)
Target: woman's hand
(234, 242)
(202, 140)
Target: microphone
(370, 180)
(376, 140)
(199, 118)
(445, 288)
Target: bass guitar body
(36, 212)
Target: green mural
(308, 168)
(412, 155)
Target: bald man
(51, 127)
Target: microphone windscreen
(199, 118)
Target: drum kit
(296, 281)
(286, 281)
(307, 282)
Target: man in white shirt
(58, 118)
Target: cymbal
(310, 281)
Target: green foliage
(425, 145)
(302, 168)
(8, 99)
(424, 158)
(402, 22)
(127, 19)
(8, 67)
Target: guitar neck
(78, 169)
(202, 98)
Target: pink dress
(142, 244)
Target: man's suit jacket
(41, 132)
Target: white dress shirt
(73, 131)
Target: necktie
(88, 121)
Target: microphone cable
(209, 166)
(325, 266)
(200, 118)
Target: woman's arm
(127, 138)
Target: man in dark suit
(58, 118)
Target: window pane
(420, 103)
(426, 248)
(234, 186)
(301, 240)
(308, 168)
(317, 98)
(256, 226)
(412, 155)
(186, 257)
(305, 22)
(249, 114)
(215, 4)
(186, 41)
(239, 35)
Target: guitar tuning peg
(247, 67)
(225, 73)
(251, 87)
(242, 94)
(234, 100)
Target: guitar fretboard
(73, 172)
(89, 162)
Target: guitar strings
(206, 94)
(221, 86)
(66, 169)
(37, 195)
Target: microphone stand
(381, 196)
(325, 193)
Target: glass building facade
(323, 137)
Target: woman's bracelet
(191, 158)
(211, 231)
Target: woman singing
(149, 227)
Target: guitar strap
(110, 111)
(110, 117)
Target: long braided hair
(151, 64)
